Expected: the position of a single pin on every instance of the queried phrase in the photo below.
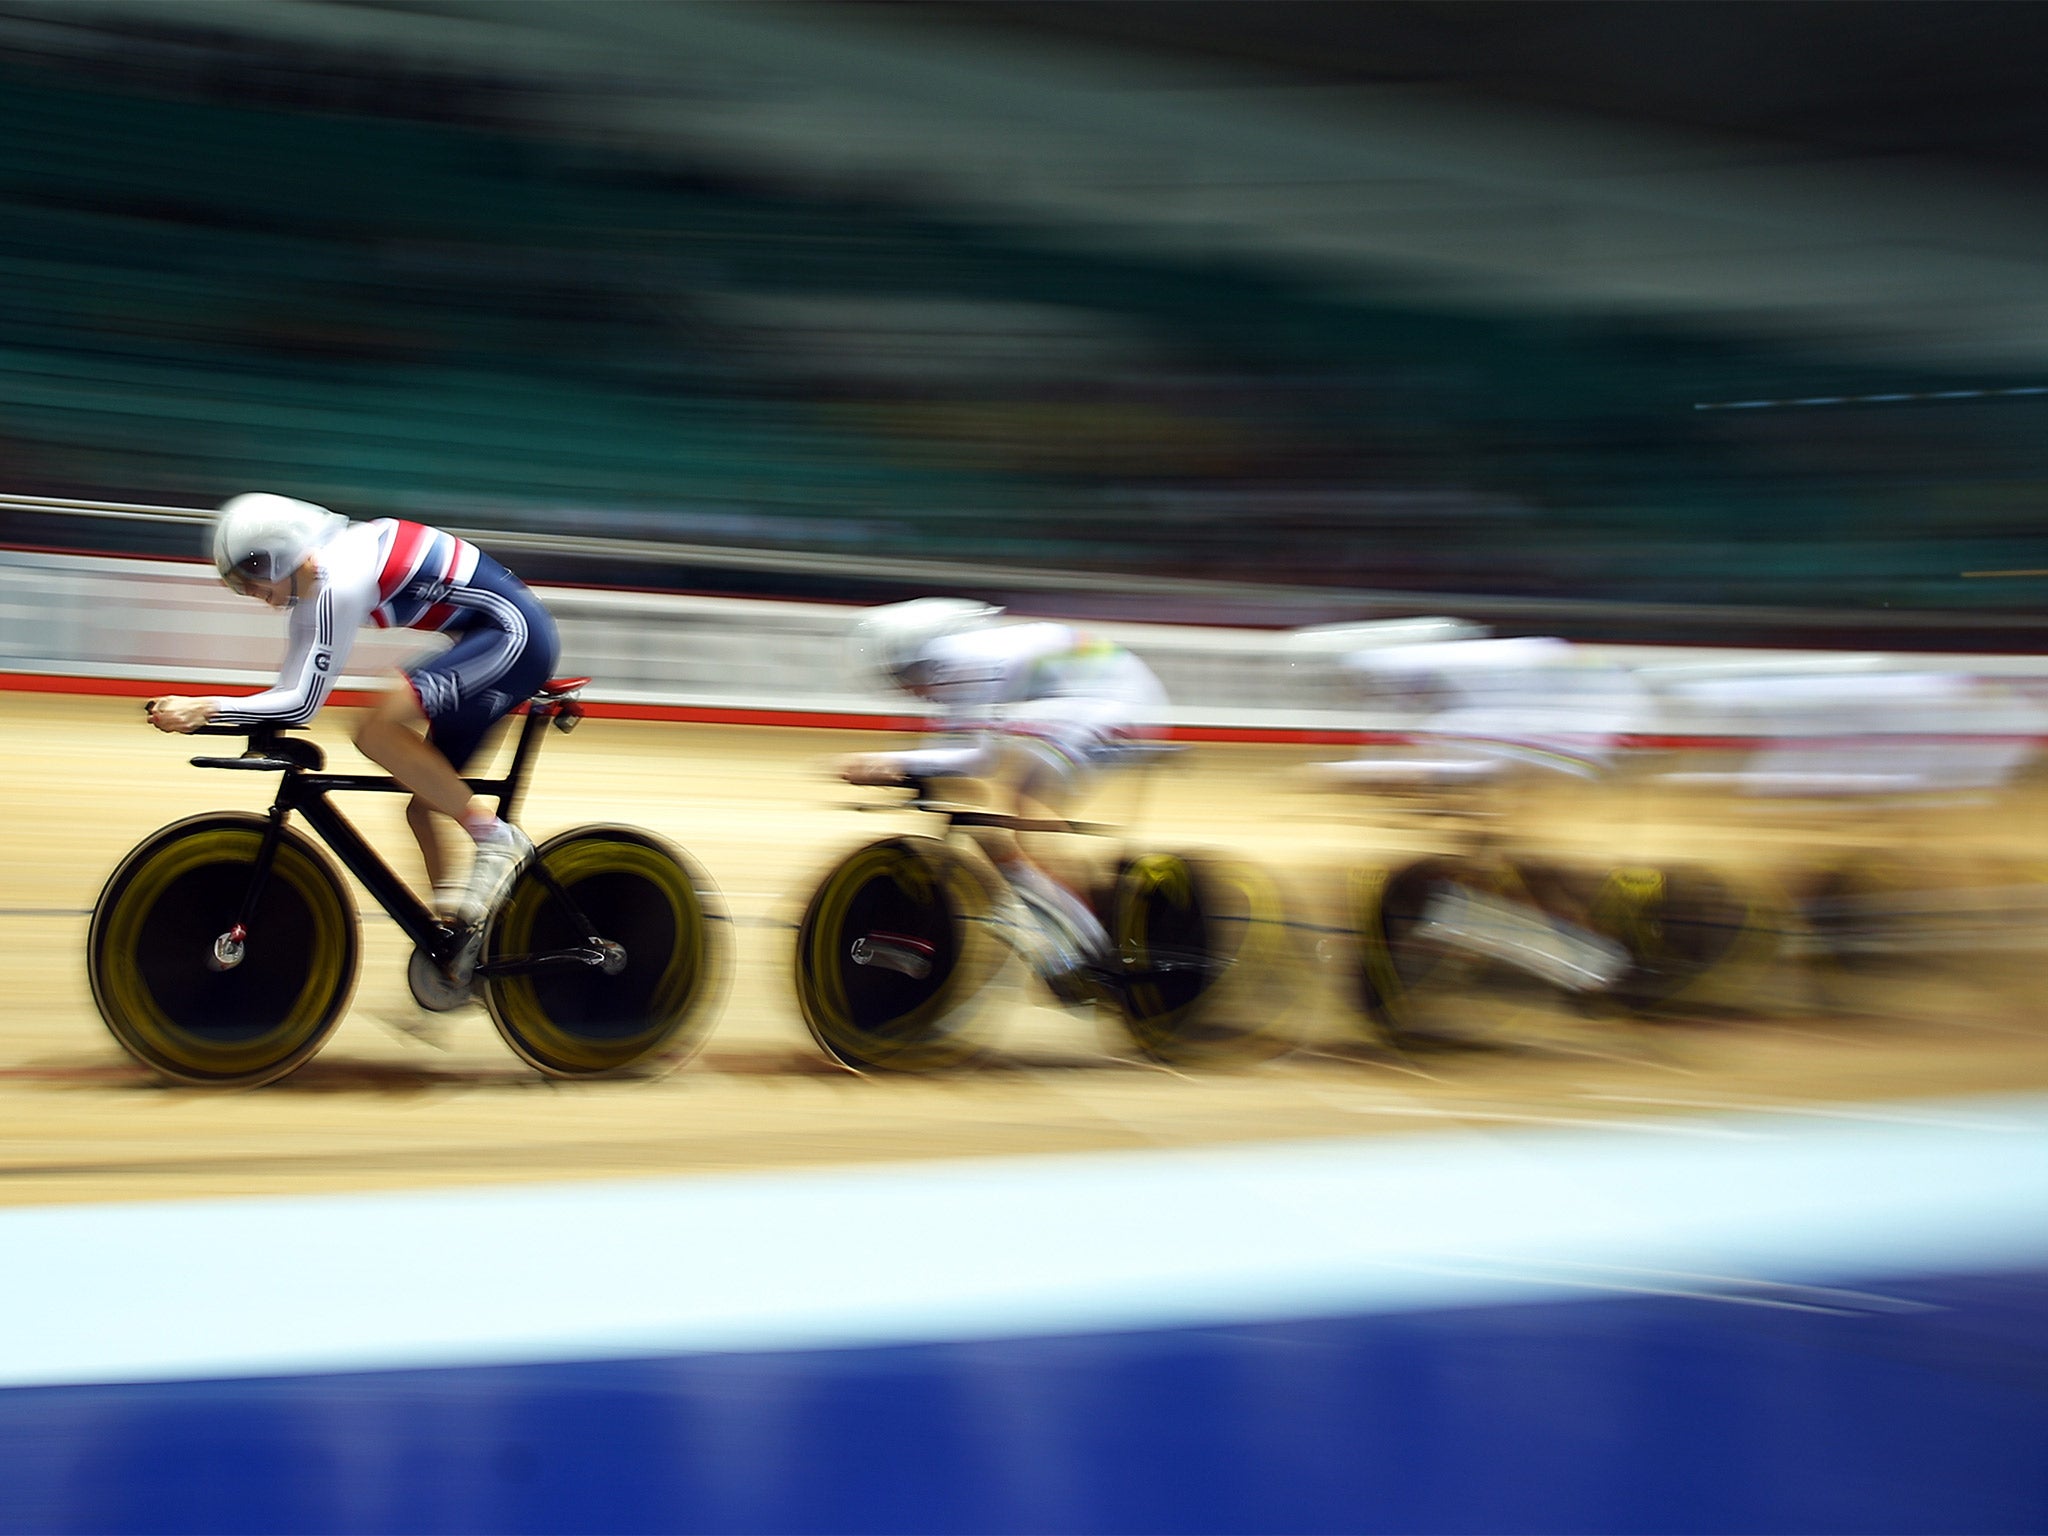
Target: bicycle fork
(230, 947)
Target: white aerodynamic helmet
(261, 537)
(891, 641)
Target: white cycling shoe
(1066, 946)
(499, 860)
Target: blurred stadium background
(1383, 298)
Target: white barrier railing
(112, 617)
(104, 616)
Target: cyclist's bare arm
(179, 715)
(959, 762)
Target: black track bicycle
(899, 942)
(224, 948)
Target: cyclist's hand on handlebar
(872, 768)
(179, 715)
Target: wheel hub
(228, 949)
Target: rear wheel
(1203, 950)
(888, 964)
(1892, 940)
(665, 942)
(1692, 938)
(169, 983)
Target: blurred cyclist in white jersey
(333, 577)
(1482, 708)
(1036, 709)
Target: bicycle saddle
(556, 689)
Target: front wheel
(169, 979)
(662, 933)
(888, 964)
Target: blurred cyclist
(333, 577)
(1036, 708)
(1479, 712)
(1498, 707)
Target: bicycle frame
(304, 787)
(957, 822)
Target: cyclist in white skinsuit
(1484, 711)
(1496, 706)
(1040, 708)
(334, 577)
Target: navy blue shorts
(504, 648)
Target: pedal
(1460, 918)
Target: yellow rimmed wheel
(1203, 950)
(172, 984)
(1692, 937)
(663, 934)
(888, 964)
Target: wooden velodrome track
(82, 779)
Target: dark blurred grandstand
(341, 263)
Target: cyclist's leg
(426, 823)
(398, 736)
(393, 736)
(501, 848)
(462, 694)
(1053, 759)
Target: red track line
(834, 720)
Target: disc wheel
(888, 967)
(1203, 950)
(1691, 937)
(164, 990)
(1875, 945)
(651, 1004)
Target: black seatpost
(530, 730)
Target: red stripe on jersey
(408, 544)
